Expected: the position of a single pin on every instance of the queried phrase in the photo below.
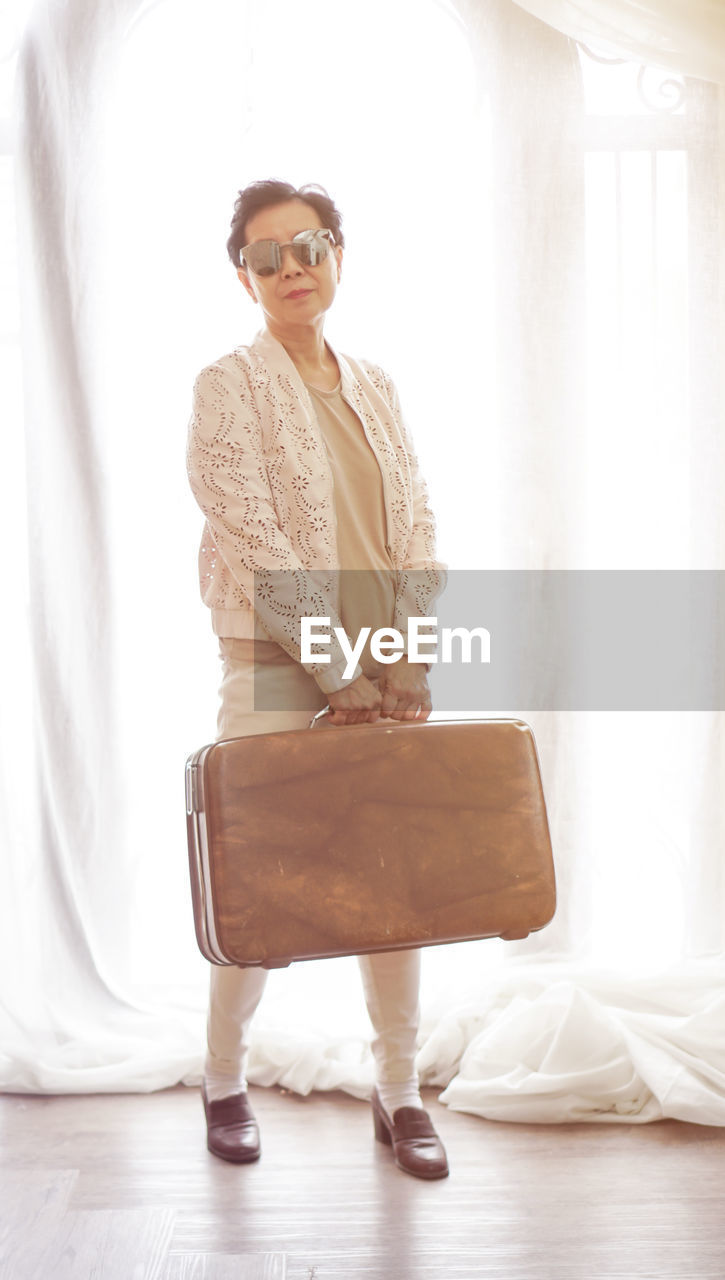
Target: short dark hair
(269, 192)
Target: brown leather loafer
(231, 1129)
(416, 1146)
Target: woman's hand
(405, 691)
(358, 703)
(403, 695)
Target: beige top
(367, 577)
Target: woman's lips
(298, 293)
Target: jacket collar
(271, 351)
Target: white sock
(395, 1094)
(217, 1087)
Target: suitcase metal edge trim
(204, 921)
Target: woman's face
(295, 295)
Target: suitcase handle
(319, 715)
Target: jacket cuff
(331, 679)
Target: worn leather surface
(374, 837)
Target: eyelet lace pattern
(258, 469)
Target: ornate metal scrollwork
(671, 89)
(658, 90)
(599, 57)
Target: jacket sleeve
(422, 578)
(228, 478)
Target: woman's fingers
(354, 717)
(405, 696)
(407, 710)
(358, 703)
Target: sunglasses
(310, 248)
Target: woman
(299, 459)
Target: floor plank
(110, 1243)
(220, 1266)
(326, 1202)
(33, 1205)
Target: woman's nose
(290, 265)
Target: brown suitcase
(339, 841)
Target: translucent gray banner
(556, 640)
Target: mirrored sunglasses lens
(311, 248)
(263, 258)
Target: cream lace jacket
(259, 470)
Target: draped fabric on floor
(563, 386)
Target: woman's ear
(338, 255)
(242, 274)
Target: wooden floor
(121, 1187)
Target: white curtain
(686, 35)
(545, 449)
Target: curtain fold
(66, 950)
(686, 36)
(556, 1045)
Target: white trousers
(390, 979)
